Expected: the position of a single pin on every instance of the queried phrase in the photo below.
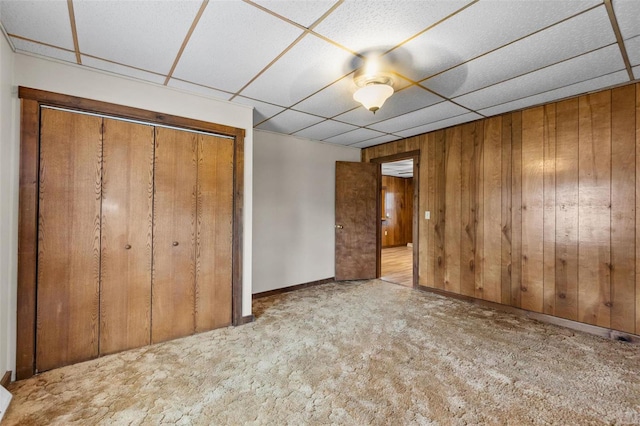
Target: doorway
(397, 222)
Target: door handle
(339, 227)
(175, 243)
(127, 247)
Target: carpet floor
(351, 353)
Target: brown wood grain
(492, 201)
(549, 208)
(452, 219)
(532, 209)
(127, 214)
(68, 239)
(27, 239)
(439, 209)
(357, 188)
(427, 270)
(214, 233)
(238, 229)
(594, 211)
(397, 226)
(467, 210)
(567, 209)
(623, 205)
(478, 207)
(174, 229)
(506, 229)
(516, 209)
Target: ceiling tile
(261, 110)
(289, 122)
(308, 67)
(561, 93)
(628, 16)
(487, 25)
(325, 130)
(591, 65)
(419, 117)
(142, 34)
(375, 141)
(407, 100)
(448, 122)
(354, 136)
(633, 49)
(586, 32)
(383, 24)
(41, 49)
(304, 13)
(43, 21)
(121, 69)
(231, 44)
(196, 88)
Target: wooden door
(357, 214)
(174, 234)
(214, 232)
(127, 208)
(68, 239)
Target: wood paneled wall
(397, 228)
(536, 209)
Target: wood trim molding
(595, 330)
(6, 379)
(291, 288)
(31, 100)
(89, 105)
(247, 319)
(400, 156)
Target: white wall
(9, 156)
(70, 79)
(294, 215)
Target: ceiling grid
(454, 61)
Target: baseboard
(395, 245)
(607, 333)
(246, 319)
(6, 379)
(291, 288)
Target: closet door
(214, 232)
(174, 224)
(127, 209)
(68, 239)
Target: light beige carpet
(352, 353)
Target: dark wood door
(127, 208)
(214, 232)
(357, 214)
(174, 234)
(68, 239)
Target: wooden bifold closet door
(134, 235)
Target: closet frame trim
(31, 100)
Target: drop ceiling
(401, 169)
(455, 61)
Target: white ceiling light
(375, 85)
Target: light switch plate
(427, 215)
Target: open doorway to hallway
(397, 222)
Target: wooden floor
(397, 265)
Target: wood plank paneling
(477, 203)
(516, 209)
(467, 213)
(452, 219)
(549, 219)
(214, 232)
(127, 215)
(567, 209)
(174, 229)
(623, 205)
(397, 226)
(439, 211)
(506, 228)
(68, 239)
(532, 209)
(27, 239)
(492, 202)
(594, 211)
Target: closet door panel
(173, 298)
(68, 239)
(214, 232)
(127, 208)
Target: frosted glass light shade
(373, 96)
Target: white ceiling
(457, 60)
(402, 168)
